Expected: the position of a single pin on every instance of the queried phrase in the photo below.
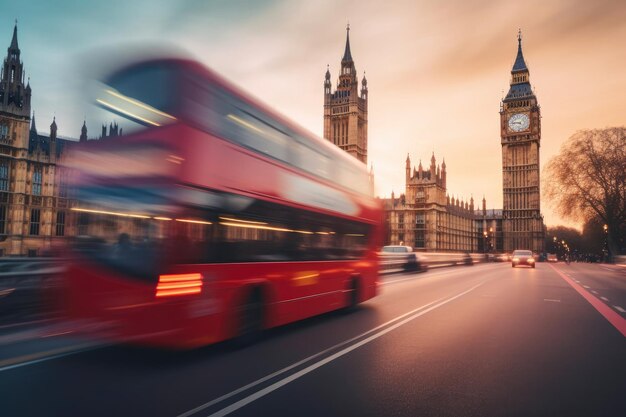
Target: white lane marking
(594, 291)
(552, 300)
(399, 280)
(48, 358)
(261, 393)
(586, 286)
(428, 275)
(296, 364)
(618, 308)
(605, 299)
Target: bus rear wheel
(250, 319)
(353, 294)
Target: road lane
(606, 282)
(217, 370)
(484, 353)
(501, 350)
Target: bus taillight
(179, 284)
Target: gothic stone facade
(345, 112)
(520, 132)
(426, 218)
(33, 196)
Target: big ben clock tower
(520, 132)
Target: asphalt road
(467, 341)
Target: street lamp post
(605, 250)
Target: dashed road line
(594, 291)
(609, 314)
(618, 308)
(605, 299)
(586, 286)
(552, 300)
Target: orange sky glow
(436, 70)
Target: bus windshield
(145, 94)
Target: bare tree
(588, 179)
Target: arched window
(37, 181)
(4, 175)
(4, 131)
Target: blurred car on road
(398, 256)
(503, 257)
(523, 257)
(552, 257)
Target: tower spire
(33, 127)
(347, 55)
(520, 64)
(14, 40)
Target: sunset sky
(436, 70)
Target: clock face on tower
(519, 122)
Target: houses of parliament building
(425, 216)
(34, 200)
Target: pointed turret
(53, 129)
(14, 45)
(364, 87)
(348, 79)
(14, 94)
(443, 173)
(347, 55)
(432, 167)
(408, 168)
(33, 127)
(327, 85)
(53, 140)
(520, 64)
(83, 132)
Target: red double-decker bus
(219, 219)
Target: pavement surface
(483, 340)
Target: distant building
(489, 233)
(426, 217)
(33, 196)
(520, 132)
(34, 200)
(345, 112)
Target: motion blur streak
(140, 104)
(126, 112)
(112, 213)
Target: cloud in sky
(436, 70)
